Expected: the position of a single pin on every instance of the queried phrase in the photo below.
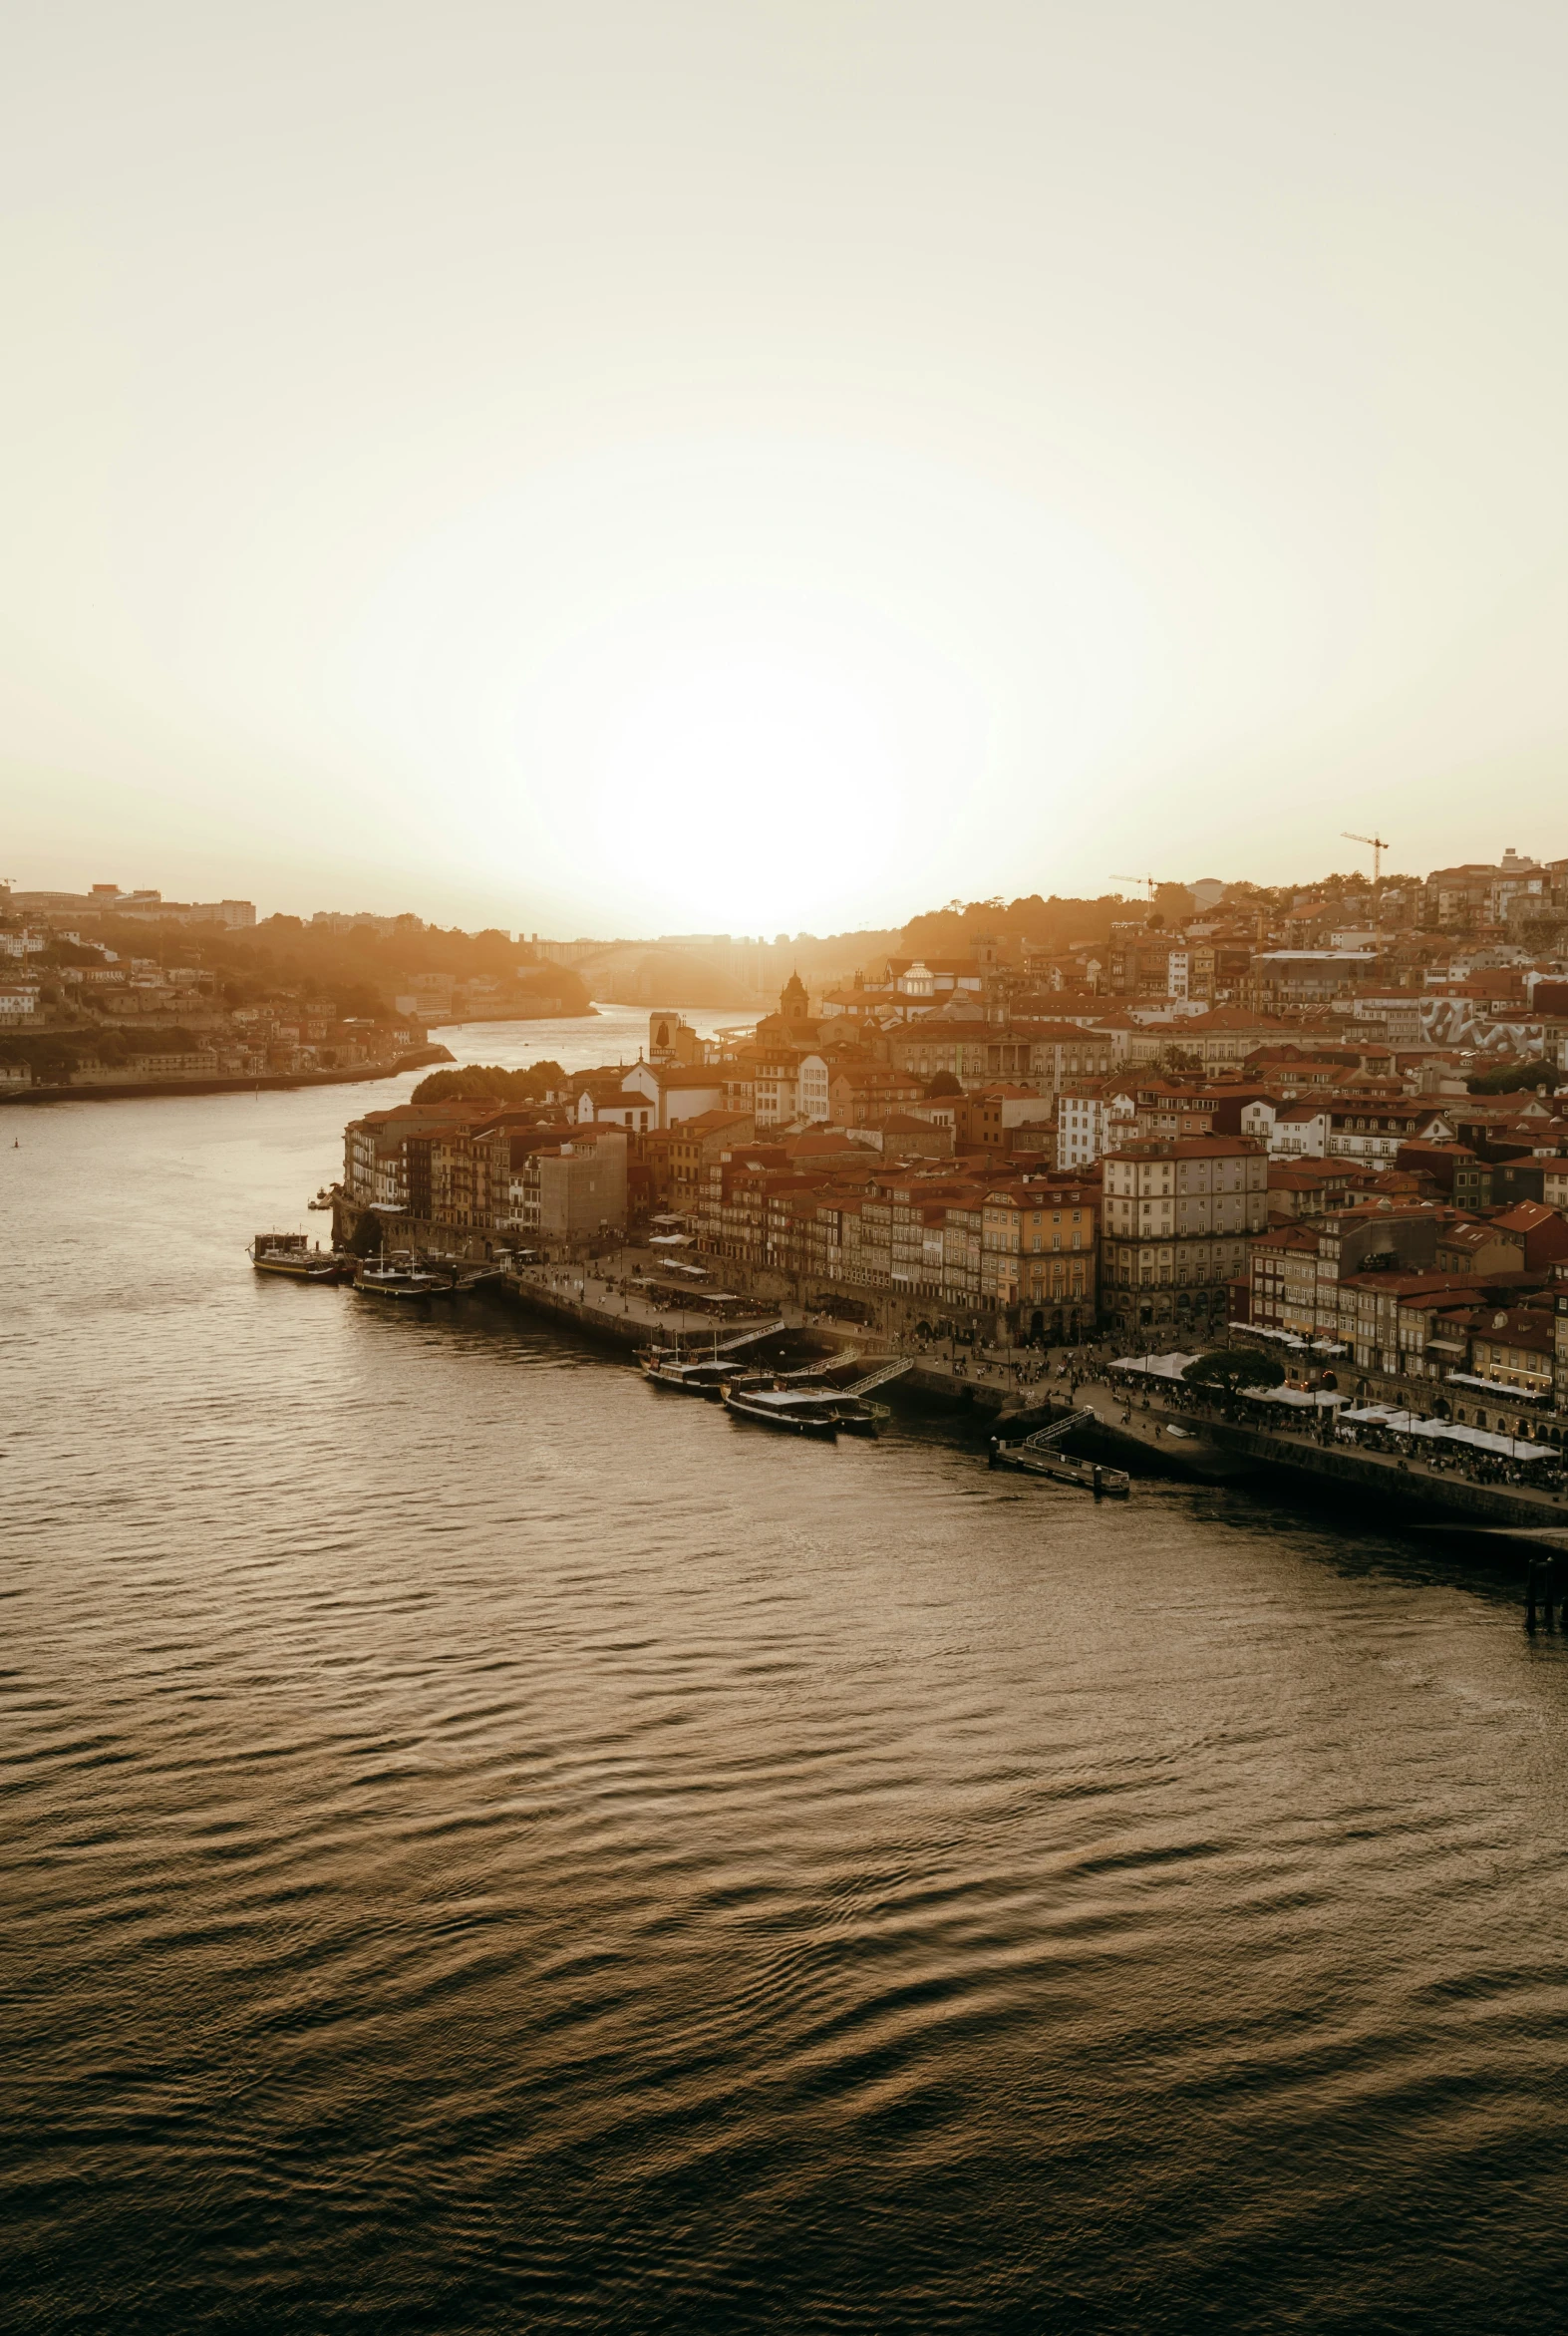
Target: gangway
(693, 1345)
(733, 1346)
(1043, 1437)
(1039, 1456)
(881, 1376)
(819, 1370)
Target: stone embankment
(578, 1300)
(611, 1308)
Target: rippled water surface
(492, 1847)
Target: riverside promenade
(1131, 1424)
(1208, 1446)
(611, 1302)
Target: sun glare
(750, 688)
(736, 779)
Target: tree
(943, 1084)
(1233, 1368)
(1511, 1078)
(489, 1083)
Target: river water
(491, 1847)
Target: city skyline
(1400, 895)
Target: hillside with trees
(1053, 923)
(360, 970)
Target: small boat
(782, 1407)
(290, 1255)
(708, 1376)
(402, 1281)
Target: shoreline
(1290, 1469)
(463, 1021)
(123, 1090)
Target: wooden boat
(290, 1255)
(402, 1280)
(796, 1412)
(704, 1377)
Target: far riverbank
(466, 1021)
(118, 1091)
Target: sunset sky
(651, 464)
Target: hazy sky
(649, 465)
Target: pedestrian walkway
(617, 1296)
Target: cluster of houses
(944, 1143)
(118, 1019)
(998, 1202)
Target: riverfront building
(1180, 1216)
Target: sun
(740, 781)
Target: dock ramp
(881, 1376)
(1043, 1437)
(743, 1338)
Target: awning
(1302, 1397)
(1499, 1387)
(1293, 1338)
(669, 1240)
(1154, 1366)
(1380, 1415)
(1511, 1447)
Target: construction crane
(1378, 847)
(1125, 880)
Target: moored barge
(402, 1278)
(291, 1257)
(1092, 1476)
(797, 1414)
